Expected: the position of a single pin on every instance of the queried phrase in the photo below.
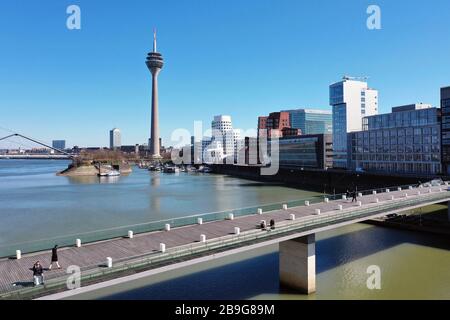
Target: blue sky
(242, 58)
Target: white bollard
(162, 247)
(374, 192)
(326, 200)
(429, 190)
(359, 194)
(339, 207)
(317, 211)
(359, 203)
(399, 189)
(202, 238)
(78, 243)
(418, 193)
(410, 187)
(292, 217)
(260, 211)
(109, 262)
(344, 197)
(18, 254)
(230, 216)
(406, 195)
(199, 220)
(167, 227)
(130, 234)
(377, 200)
(307, 203)
(285, 207)
(237, 230)
(391, 198)
(387, 190)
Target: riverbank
(433, 219)
(91, 170)
(325, 181)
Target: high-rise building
(311, 121)
(114, 139)
(404, 141)
(351, 100)
(59, 144)
(445, 129)
(155, 63)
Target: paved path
(91, 256)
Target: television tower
(154, 63)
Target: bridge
(165, 245)
(63, 154)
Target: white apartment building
(225, 137)
(351, 100)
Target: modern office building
(59, 144)
(114, 139)
(404, 141)
(311, 121)
(351, 100)
(155, 63)
(445, 129)
(306, 151)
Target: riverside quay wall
(327, 181)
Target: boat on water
(205, 169)
(154, 168)
(171, 169)
(111, 173)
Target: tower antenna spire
(154, 40)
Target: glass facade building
(445, 129)
(59, 144)
(351, 100)
(311, 121)
(408, 140)
(308, 151)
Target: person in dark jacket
(272, 224)
(354, 199)
(54, 258)
(38, 273)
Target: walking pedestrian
(272, 224)
(38, 273)
(54, 258)
(354, 199)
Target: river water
(37, 204)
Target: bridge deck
(15, 274)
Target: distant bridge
(68, 155)
(189, 240)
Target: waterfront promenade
(184, 241)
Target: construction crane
(355, 78)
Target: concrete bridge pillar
(298, 263)
(448, 211)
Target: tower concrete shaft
(154, 63)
